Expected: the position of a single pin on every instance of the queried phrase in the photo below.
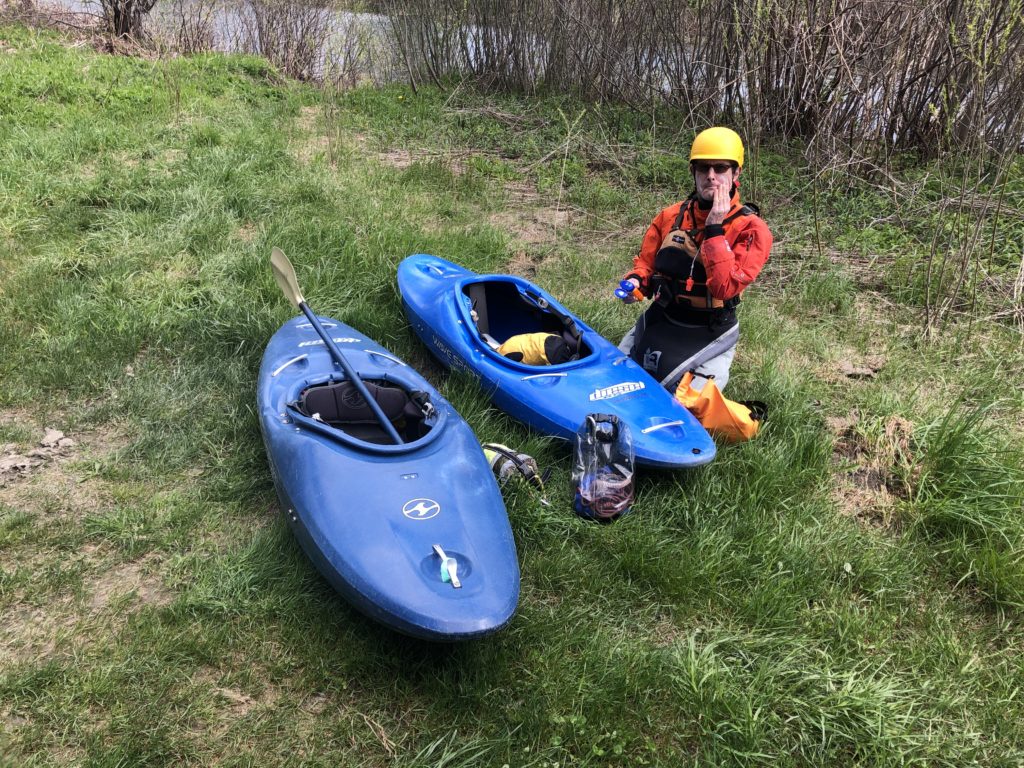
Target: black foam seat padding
(341, 403)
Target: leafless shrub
(289, 33)
(76, 23)
(17, 10)
(873, 76)
(357, 50)
(965, 254)
(190, 25)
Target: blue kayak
(415, 535)
(463, 317)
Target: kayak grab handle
(287, 363)
(656, 427)
(381, 354)
(438, 271)
(541, 376)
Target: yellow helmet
(717, 144)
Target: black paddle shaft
(352, 375)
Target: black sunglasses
(701, 167)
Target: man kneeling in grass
(695, 261)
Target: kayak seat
(339, 404)
(501, 310)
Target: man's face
(708, 174)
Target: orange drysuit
(730, 256)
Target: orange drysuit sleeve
(734, 259)
(643, 262)
(733, 255)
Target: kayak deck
(462, 317)
(369, 513)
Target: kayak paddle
(284, 274)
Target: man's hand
(627, 290)
(720, 204)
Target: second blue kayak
(462, 317)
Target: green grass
(156, 610)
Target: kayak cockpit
(514, 322)
(339, 408)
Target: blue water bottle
(626, 289)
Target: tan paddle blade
(284, 274)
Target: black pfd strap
(683, 208)
(745, 210)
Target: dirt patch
(42, 478)
(400, 159)
(306, 120)
(15, 463)
(311, 148)
(10, 719)
(539, 226)
(864, 369)
(315, 704)
(30, 632)
(55, 491)
(49, 481)
(311, 143)
(229, 703)
(171, 156)
(853, 366)
(525, 263)
(33, 632)
(666, 633)
(38, 630)
(126, 160)
(521, 192)
(875, 467)
(139, 579)
(247, 232)
(397, 158)
(239, 703)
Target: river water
(305, 41)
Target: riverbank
(845, 589)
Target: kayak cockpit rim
(435, 422)
(530, 296)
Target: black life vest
(679, 276)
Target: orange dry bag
(720, 416)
